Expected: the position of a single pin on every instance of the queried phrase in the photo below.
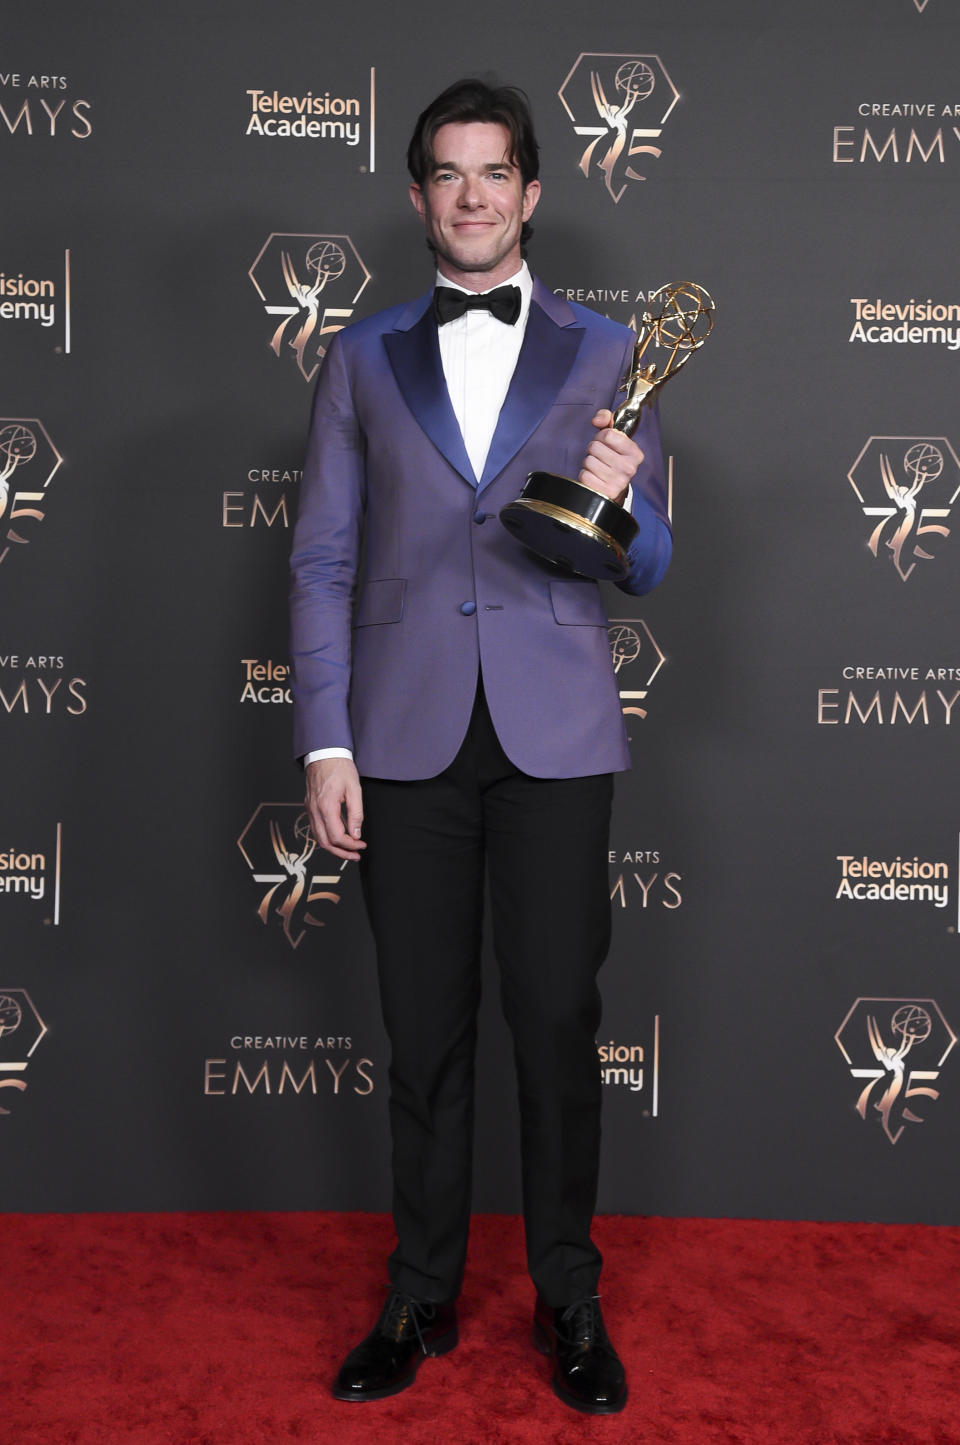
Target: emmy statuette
(573, 525)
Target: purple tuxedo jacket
(405, 583)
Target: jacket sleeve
(651, 550)
(324, 562)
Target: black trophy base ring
(575, 527)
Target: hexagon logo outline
(19, 448)
(277, 848)
(312, 283)
(604, 101)
(900, 493)
(888, 1083)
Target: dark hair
(474, 100)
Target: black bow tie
(503, 303)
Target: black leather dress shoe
(387, 1361)
(587, 1372)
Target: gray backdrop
(186, 1021)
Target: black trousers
(544, 844)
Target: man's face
(473, 204)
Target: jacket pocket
(578, 603)
(380, 601)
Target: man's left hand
(612, 459)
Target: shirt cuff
(315, 757)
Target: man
(457, 711)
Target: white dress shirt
(479, 356)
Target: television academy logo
(635, 1067)
(876, 1038)
(637, 659)
(265, 681)
(338, 117)
(21, 1029)
(313, 283)
(883, 323)
(888, 478)
(27, 456)
(313, 116)
(618, 90)
(893, 880)
(34, 875)
(35, 297)
(278, 845)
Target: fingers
(333, 789)
(330, 834)
(353, 800)
(611, 461)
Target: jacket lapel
(414, 356)
(549, 350)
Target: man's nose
(471, 194)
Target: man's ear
(531, 196)
(416, 197)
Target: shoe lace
(583, 1321)
(401, 1310)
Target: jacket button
(468, 608)
(479, 516)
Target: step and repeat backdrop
(194, 204)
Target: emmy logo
(910, 1024)
(600, 89)
(624, 645)
(915, 1027)
(923, 463)
(906, 467)
(633, 81)
(11, 1015)
(22, 442)
(637, 658)
(21, 1024)
(325, 261)
(312, 284)
(292, 888)
(17, 445)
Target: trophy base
(573, 526)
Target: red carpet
(224, 1329)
